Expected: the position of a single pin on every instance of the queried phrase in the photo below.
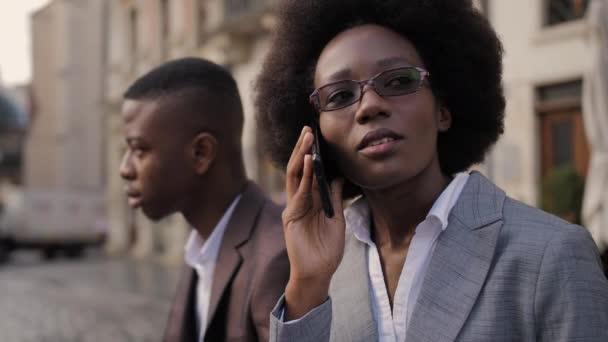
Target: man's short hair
(201, 86)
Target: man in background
(183, 123)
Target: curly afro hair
(456, 42)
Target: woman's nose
(371, 105)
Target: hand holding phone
(322, 181)
(315, 242)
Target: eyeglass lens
(392, 82)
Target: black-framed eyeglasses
(391, 82)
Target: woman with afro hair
(406, 96)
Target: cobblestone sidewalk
(96, 299)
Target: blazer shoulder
(528, 232)
(518, 214)
(270, 220)
(267, 235)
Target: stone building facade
(545, 43)
(65, 146)
(145, 33)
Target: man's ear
(203, 151)
(445, 119)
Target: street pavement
(92, 299)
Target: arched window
(560, 11)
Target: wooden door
(563, 141)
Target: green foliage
(562, 192)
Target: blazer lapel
(237, 233)
(182, 319)
(460, 263)
(352, 308)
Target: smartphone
(319, 171)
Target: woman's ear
(203, 151)
(445, 119)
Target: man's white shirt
(202, 255)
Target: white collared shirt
(202, 256)
(392, 326)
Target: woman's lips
(380, 149)
(379, 143)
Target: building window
(133, 38)
(560, 11)
(484, 6)
(564, 91)
(201, 17)
(164, 29)
(562, 134)
(235, 8)
(564, 149)
(563, 140)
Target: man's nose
(126, 169)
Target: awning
(595, 117)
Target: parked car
(50, 221)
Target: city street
(92, 299)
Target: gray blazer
(501, 271)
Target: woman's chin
(377, 184)
(384, 179)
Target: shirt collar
(445, 202)
(357, 215)
(198, 250)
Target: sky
(15, 60)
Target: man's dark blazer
(251, 272)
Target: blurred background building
(65, 143)
(551, 59)
(143, 34)
(14, 105)
(62, 198)
(86, 53)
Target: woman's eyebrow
(392, 61)
(388, 62)
(338, 76)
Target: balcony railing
(238, 16)
(234, 9)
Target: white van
(51, 221)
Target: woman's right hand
(315, 243)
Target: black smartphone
(319, 171)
